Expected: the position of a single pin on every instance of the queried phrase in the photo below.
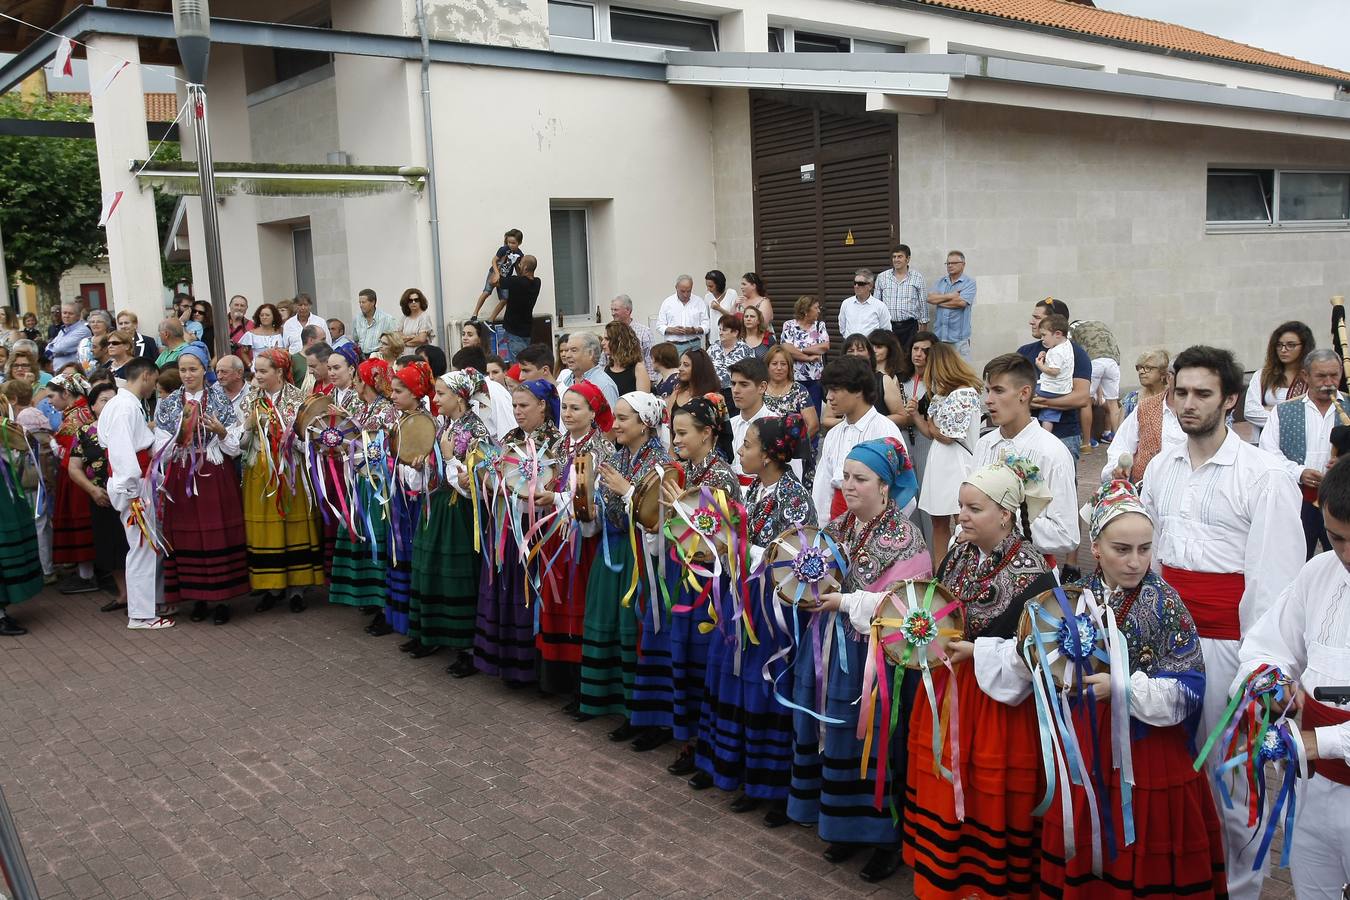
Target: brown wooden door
(811, 235)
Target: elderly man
(1299, 433)
(232, 376)
(302, 319)
(862, 313)
(683, 319)
(621, 309)
(63, 349)
(372, 323)
(954, 297)
(586, 365)
(173, 338)
(145, 345)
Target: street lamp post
(192, 27)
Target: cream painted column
(746, 31)
(119, 132)
(227, 109)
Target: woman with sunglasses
(204, 316)
(121, 350)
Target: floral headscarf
(1114, 499)
(782, 437)
(650, 409)
(595, 399)
(464, 383)
(887, 457)
(72, 383)
(374, 374)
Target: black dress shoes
(222, 614)
(744, 804)
(199, 611)
(838, 853)
(409, 646)
(625, 732)
(421, 651)
(10, 628)
(882, 865)
(297, 603)
(684, 763)
(651, 739)
(462, 667)
(777, 816)
(700, 781)
(266, 602)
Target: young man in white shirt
(862, 313)
(124, 433)
(749, 381)
(850, 388)
(1306, 635)
(1009, 381)
(1228, 540)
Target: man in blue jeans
(522, 293)
(1067, 429)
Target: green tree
(49, 197)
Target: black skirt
(110, 539)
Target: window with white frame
(605, 22)
(788, 38)
(570, 227)
(1276, 197)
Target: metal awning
(281, 180)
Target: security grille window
(571, 262)
(632, 26)
(1276, 197)
(575, 20)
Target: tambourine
(521, 472)
(13, 437)
(414, 438)
(647, 495)
(584, 472)
(804, 563)
(702, 530)
(915, 618)
(1051, 621)
(311, 409)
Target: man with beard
(1228, 532)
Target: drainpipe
(431, 163)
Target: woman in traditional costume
(993, 571)
(504, 627)
(20, 569)
(446, 558)
(586, 416)
(882, 546)
(411, 385)
(200, 508)
(72, 532)
(745, 735)
(285, 545)
(88, 469)
(340, 386)
(359, 559)
(672, 658)
(1177, 849)
(610, 629)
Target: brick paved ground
(292, 756)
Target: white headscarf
(650, 408)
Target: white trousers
(1221, 665)
(1320, 857)
(145, 576)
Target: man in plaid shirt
(905, 294)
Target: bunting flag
(62, 65)
(110, 201)
(106, 81)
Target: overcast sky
(1314, 30)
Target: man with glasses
(905, 293)
(954, 299)
(862, 313)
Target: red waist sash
(1319, 715)
(1309, 494)
(837, 505)
(1212, 599)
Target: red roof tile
(158, 107)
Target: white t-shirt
(417, 324)
(255, 341)
(1061, 357)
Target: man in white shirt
(683, 318)
(850, 387)
(124, 433)
(1299, 432)
(297, 323)
(1228, 539)
(1010, 381)
(749, 381)
(862, 313)
(1306, 635)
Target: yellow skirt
(285, 545)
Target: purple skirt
(503, 641)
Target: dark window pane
(1314, 196)
(571, 20)
(571, 262)
(1236, 196)
(820, 43)
(676, 32)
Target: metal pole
(210, 221)
(431, 164)
(4, 271)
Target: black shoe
(838, 853)
(369, 610)
(74, 584)
(700, 781)
(625, 732)
(572, 708)
(266, 602)
(744, 803)
(684, 763)
(377, 623)
(777, 815)
(112, 605)
(10, 628)
(297, 603)
(199, 610)
(222, 614)
(462, 667)
(580, 716)
(409, 646)
(651, 739)
(882, 865)
(380, 630)
(422, 651)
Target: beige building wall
(1109, 216)
(733, 186)
(98, 273)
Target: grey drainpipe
(431, 167)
